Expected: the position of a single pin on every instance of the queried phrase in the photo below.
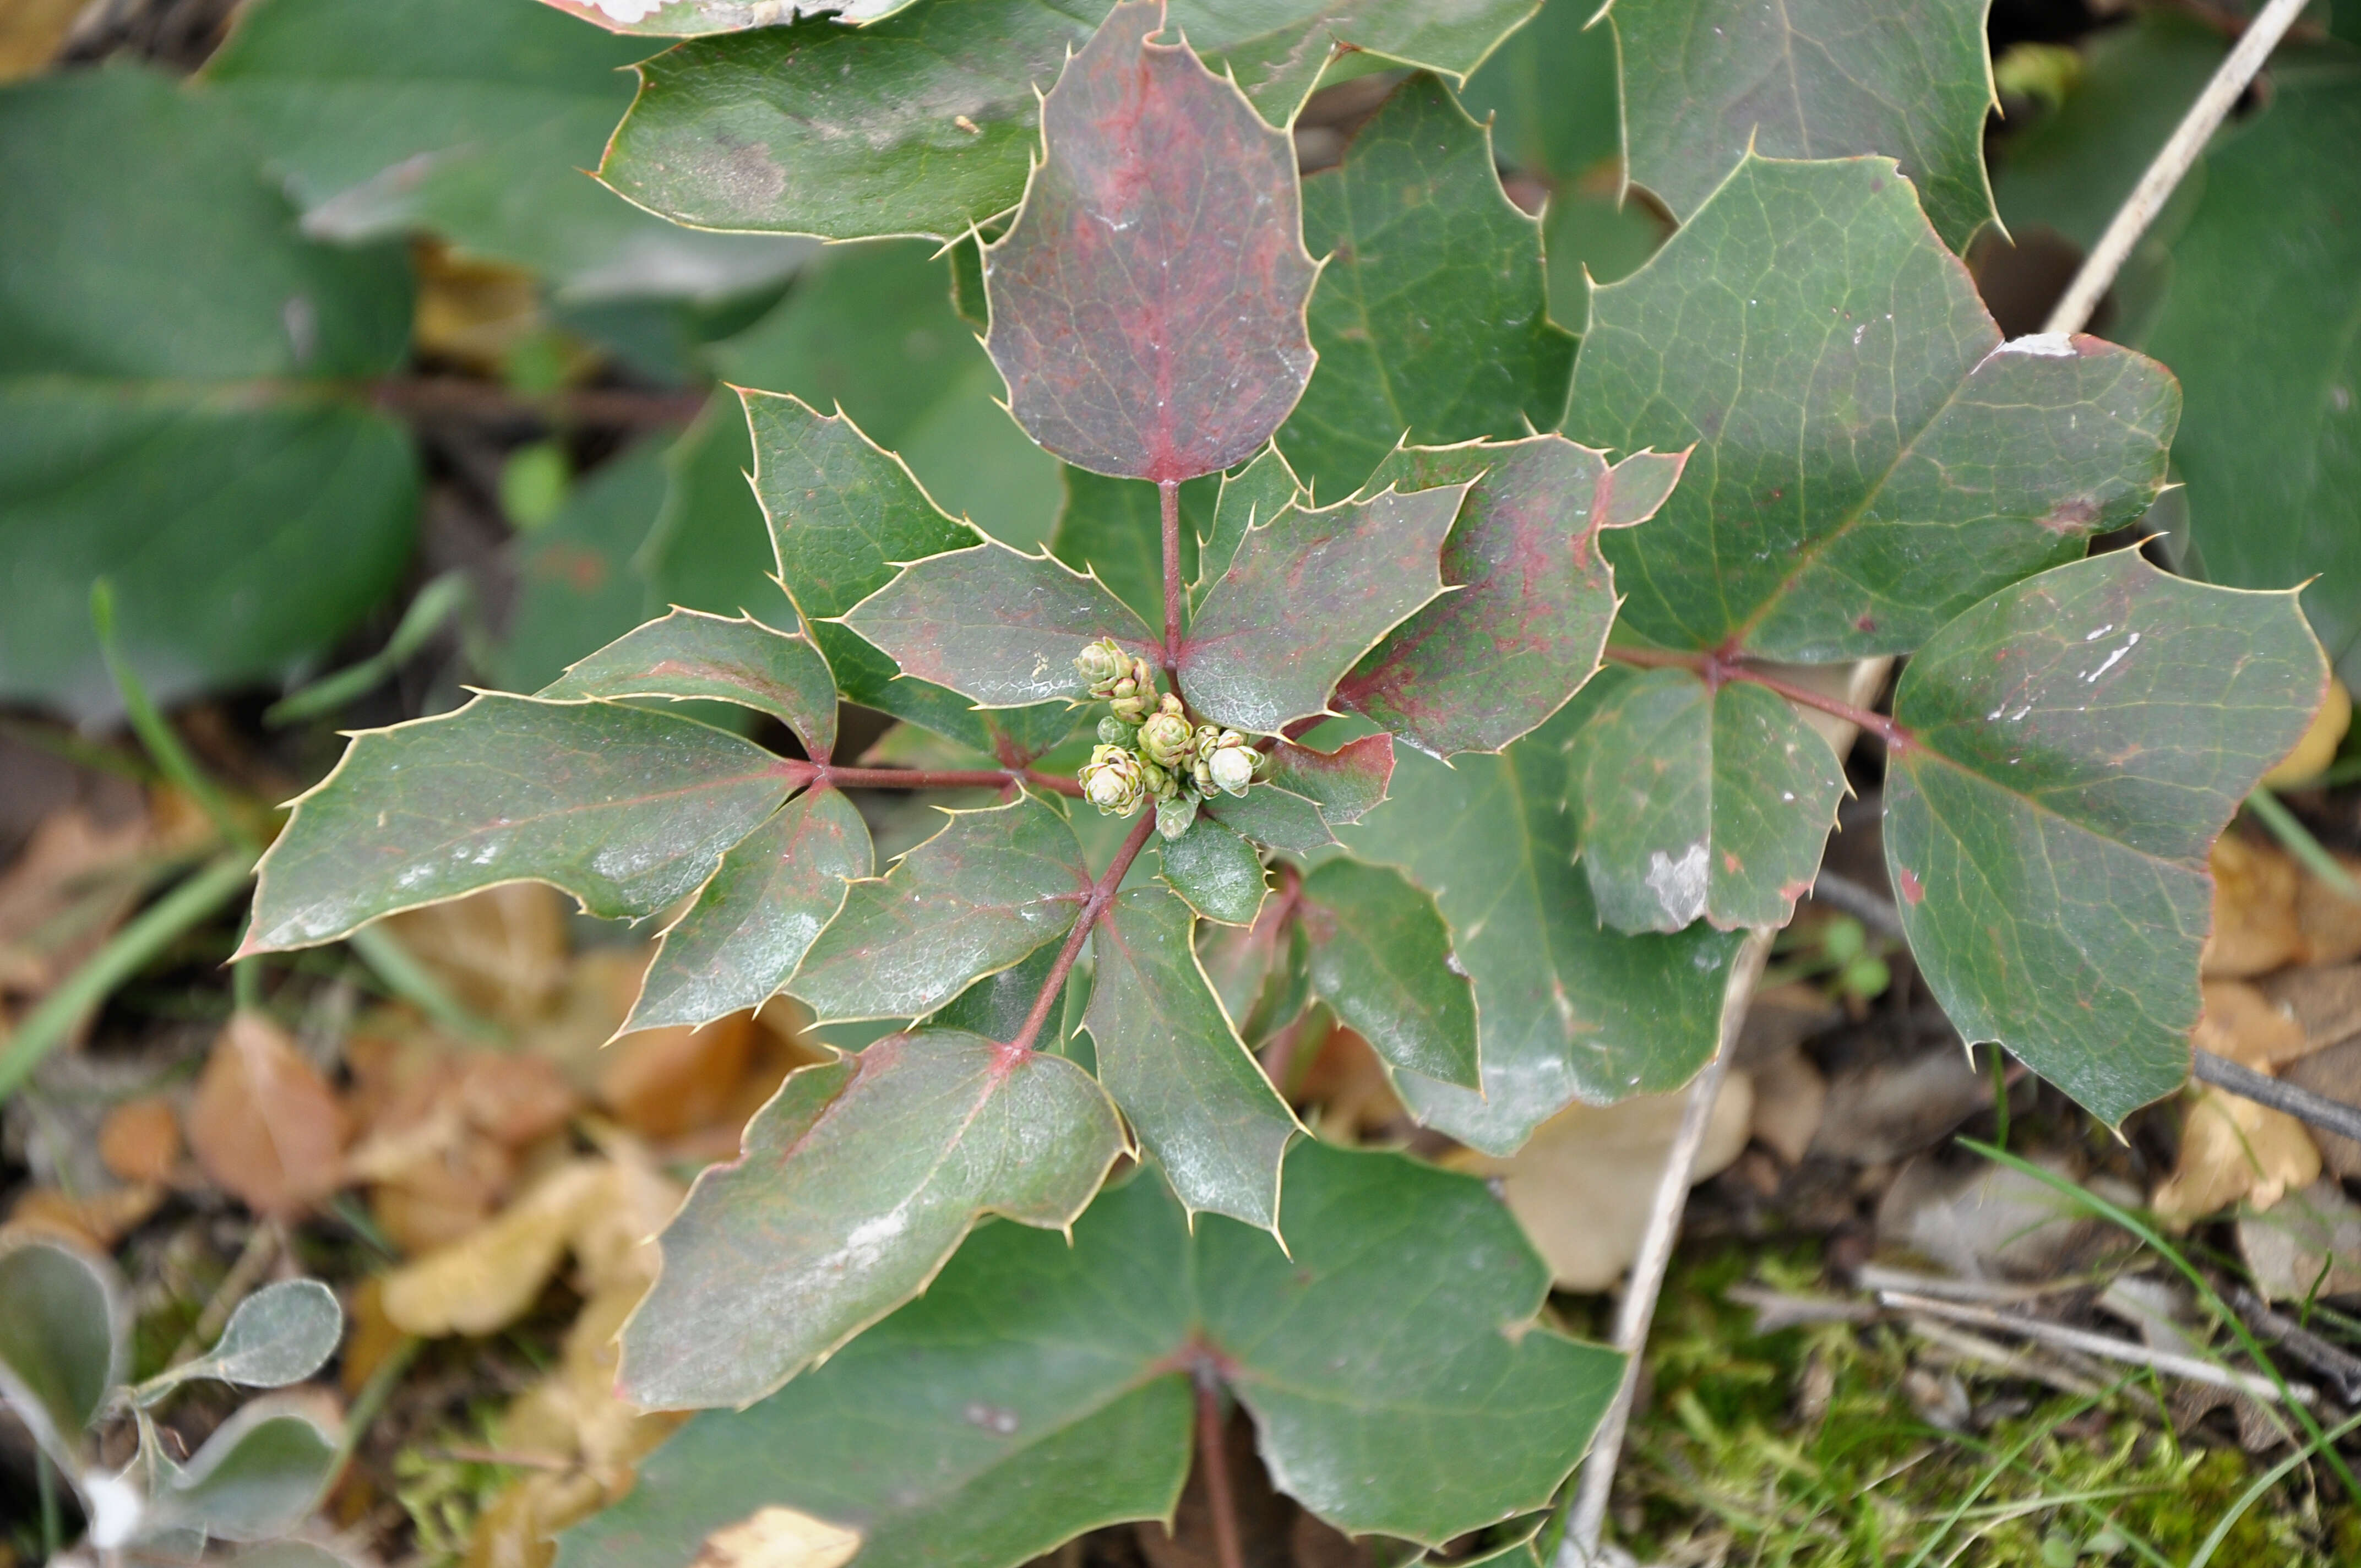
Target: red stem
(825, 774)
(1716, 668)
(1094, 904)
(1168, 494)
(1213, 1459)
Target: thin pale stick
(1094, 904)
(2187, 1367)
(2171, 164)
(1588, 1519)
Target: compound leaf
(1381, 956)
(922, 122)
(978, 896)
(753, 922)
(64, 1339)
(1148, 303)
(1476, 668)
(1871, 457)
(1216, 873)
(625, 808)
(956, 1433)
(2075, 745)
(1172, 1058)
(1307, 594)
(1706, 80)
(1432, 316)
(2259, 329)
(857, 1180)
(1697, 802)
(689, 654)
(996, 625)
(1567, 1008)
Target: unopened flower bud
(1167, 736)
(1114, 780)
(1114, 732)
(1175, 817)
(1101, 664)
(1162, 784)
(1132, 695)
(1224, 761)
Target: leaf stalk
(1094, 904)
(1714, 668)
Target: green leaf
(1148, 302)
(843, 515)
(857, 1182)
(997, 1005)
(1345, 784)
(1432, 317)
(957, 1432)
(978, 896)
(2265, 283)
(281, 1335)
(1476, 668)
(1113, 530)
(257, 1476)
(1552, 91)
(64, 1340)
(1703, 802)
(1172, 1060)
(173, 367)
(1260, 972)
(472, 119)
(1270, 814)
(1565, 1007)
(1216, 873)
(1871, 457)
(1308, 593)
(625, 808)
(2075, 745)
(689, 654)
(576, 588)
(996, 625)
(1256, 493)
(1381, 956)
(1706, 82)
(922, 122)
(753, 922)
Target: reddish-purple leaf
(1308, 593)
(1147, 306)
(1477, 668)
(1345, 782)
(997, 626)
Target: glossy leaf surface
(1148, 303)
(625, 808)
(689, 654)
(843, 517)
(951, 1433)
(923, 122)
(1216, 873)
(1432, 317)
(1307, 594)
(978, 896)
(170, 353)
(1565, 1007)
(1476, 668)
(471, 120)
(1345, 784)
(996, 625)
(1172, 1058)
(1381, 956)
(1255, 494)
(2078, 742)
(1871, 457)
(2258, 322)
(1698, 803)
(753, 922)
(1278, 818)
(63, 1339)
(1705, 81)
(857, 1180)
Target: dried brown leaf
(75, 880)
(2241, 1022)
(265, 1127)
(2255, 925)
(779, 1538)
(2232, 1148)
(92, 1219)
(489, 1278)
(661, 1083)
(502, 951)
(140, 1140)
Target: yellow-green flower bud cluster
(1147, 750)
